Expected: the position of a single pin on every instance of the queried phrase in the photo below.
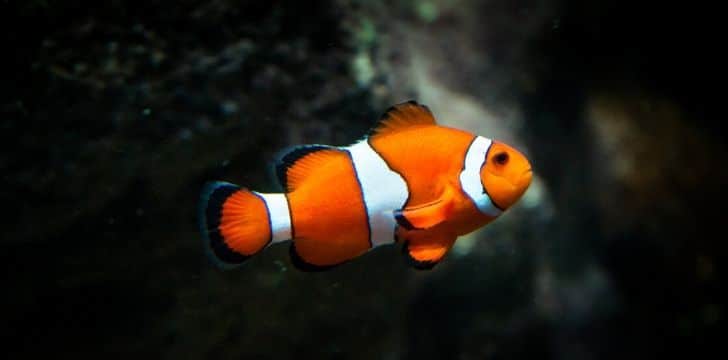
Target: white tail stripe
(280, 217)
(383, 191)
(470, 176)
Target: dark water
(115, 113)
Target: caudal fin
(234, 223)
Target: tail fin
(234, 223)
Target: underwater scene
(350, 179)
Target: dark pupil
(501, 158)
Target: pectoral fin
(427, 215)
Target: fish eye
(501, 158)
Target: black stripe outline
(363, 200)
(485, 190)
(404, 179)
(270, 224)
(290, 216)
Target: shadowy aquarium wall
(114, 113)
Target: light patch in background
(465, 244)
(427, 11)
(464, 111)
(534, 196)
(362, 69)
(430, 66)
(461, 110)
(535, 201)
(574, 299)
(638, 141)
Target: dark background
(115, 112)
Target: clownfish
(410, 181)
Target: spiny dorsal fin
(293, 167)
(401, 116)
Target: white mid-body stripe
(470, 176)
(280, 217)
(383, 190)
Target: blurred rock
(125, 108)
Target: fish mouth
(525, 178)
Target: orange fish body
(410, 181)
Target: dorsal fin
(300, 161)
(401, 116)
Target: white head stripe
(383, 191)
(470, 176)
(280, 218)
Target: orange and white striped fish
(410, 181)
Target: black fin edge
(419, 265)
(402, 220)
(213, 197)
(300, 264)
(289, 157)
